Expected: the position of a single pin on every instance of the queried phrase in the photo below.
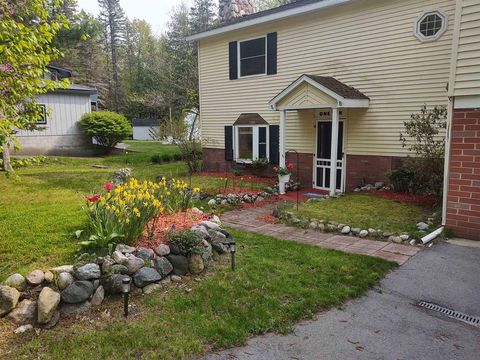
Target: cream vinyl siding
(369, 45)
(466, 70)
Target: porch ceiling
(313, 92)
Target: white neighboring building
(61, 134)
(143, 128)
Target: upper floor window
(252, 57)
(430, 26)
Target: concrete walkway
(387, 324)
(248, 219)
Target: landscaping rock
(49, 277)
(379, 185)
(133, 263)
(63, 268)
(404, 237)
(8, 299)
(96, 284)
(107, 263)
(197, 211)
(125, 249)
(48, 301)
(207, 255)
(118, 269)
(346, 230)
(210, 225)
(119, 258)
(145, 254)
(422, 226)
(176, 278)
(395, 239)
(78, 292)
(217, 236)
(163, 266)
(24, 313)
(36, 277)
(363, 233)
(356, 231)
(313, 225)
(88, 272)
(195, 264)
(16, 281)
(146, 276)
(112, 284)
(71, 309)
(219, 247)
(64, 280)
(163, 249)
(321, 227)
(98, 296)
(53, 321)
(212, 202)
(180, 264)
(150, 288)
(23, 329)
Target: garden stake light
(126, 291)
(231, 246)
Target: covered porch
(332, 99)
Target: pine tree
(202, 15)
(113, 20)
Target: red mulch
(182, 221)
(269, 219)
(422, 200)
(251, 178)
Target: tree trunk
(7, 165)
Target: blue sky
(155, 12)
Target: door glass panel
(319, 177)
(327, 177)
(324, 143)
(339, 179)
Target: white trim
(455, 42)
(239, 64)
(341, 101)
(281, 146)
(416, 27)
(334, 152)
(321, 5)
(467, 102)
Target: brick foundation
(367, 169)
(463, 201)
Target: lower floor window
(251, 142)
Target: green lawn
(276, 284)
(366, 211)
(140, 152)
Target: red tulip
(93, 198)
(109, 186)
(289, 166)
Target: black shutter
(229, 143)
(233, 60)
(274, 144)
(272, 53)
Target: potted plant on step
(283, 174)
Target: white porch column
(334, 150)
(281, 147)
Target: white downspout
(446, 167)
(334, 150)
(283, 116)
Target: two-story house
(334, 80)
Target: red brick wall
(303, 169)
(367, 169)
(463, 202)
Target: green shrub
(177, 157)
(156, 159)
(107, 128)
(167, 157)
(185, 240)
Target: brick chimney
(231, 9)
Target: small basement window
(430, 26)
(252, 56)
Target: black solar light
(126, 291)
(232, 248)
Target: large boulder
(88, 272)
(180, 264)
(195, 264)
(17, 281)
(78, 292)
(72, 309)
(210, 225)
(24, 313)
(145, 254)
(162, 250)
(125, 249)
(64, 280)
(8, 299)
(133, 263)
(48, 301)
(118, 269)
(35, 277)
(146, 276)
(119, 257)
(163, 266)
(113, 283)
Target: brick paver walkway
(247, 219)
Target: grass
(276, 284)
(140, 152)
(366, 211)
(40, 211)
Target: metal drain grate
(472, 320)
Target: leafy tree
(113, 20)
(27, 34)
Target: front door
(322, 165)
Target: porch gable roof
(313, 91)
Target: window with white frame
(42, 120)
(252, 57)
(251, 142)
(430, 26)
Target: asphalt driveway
(387, 324)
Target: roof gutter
(268, 18)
